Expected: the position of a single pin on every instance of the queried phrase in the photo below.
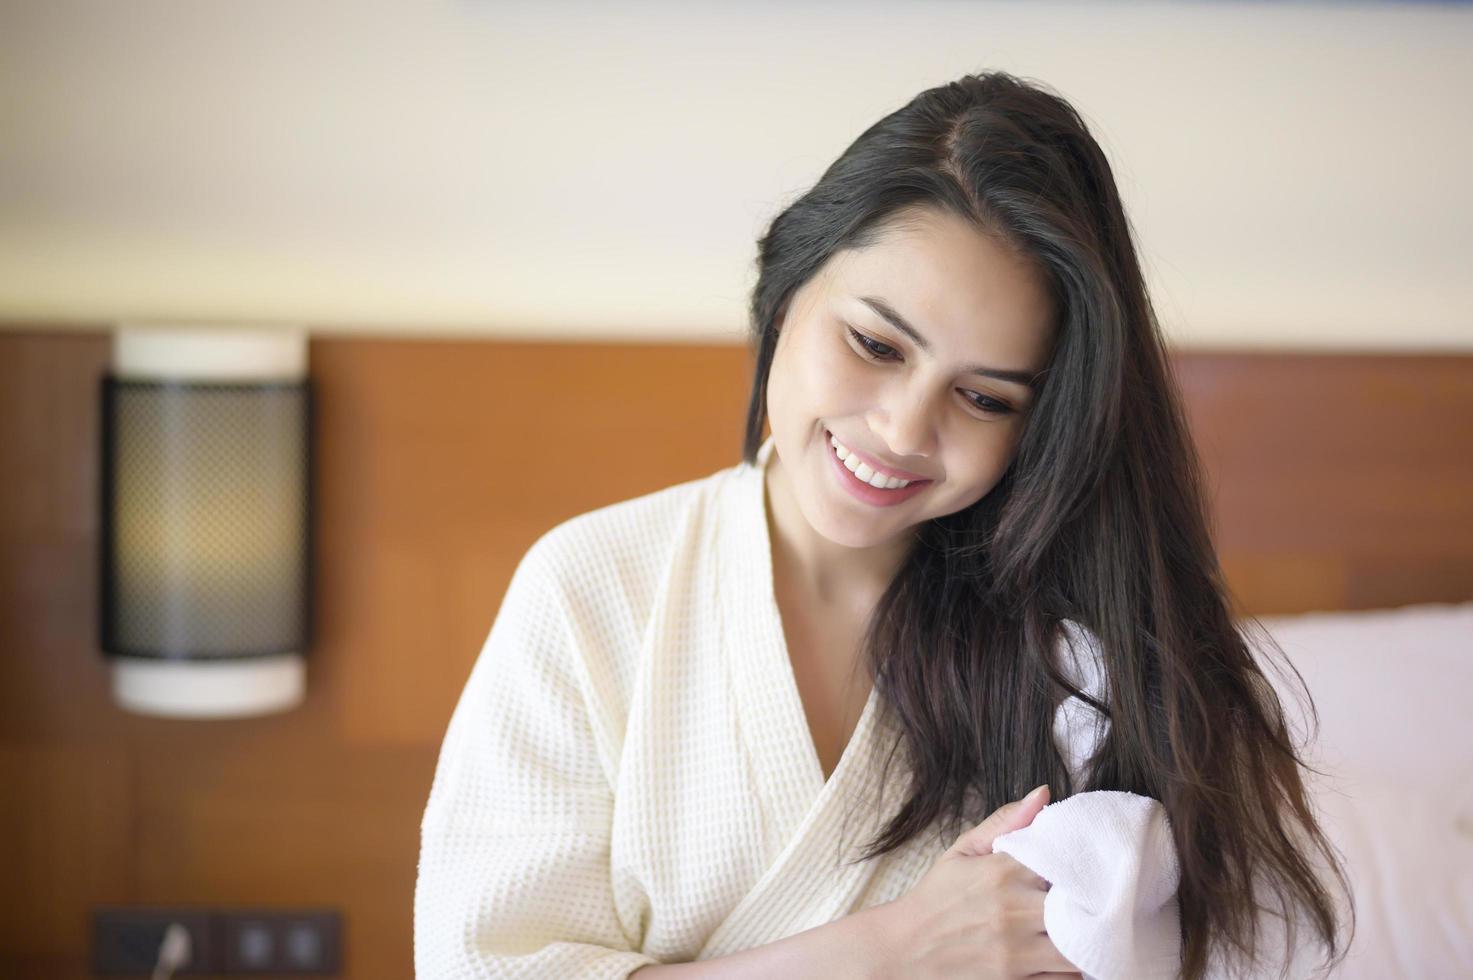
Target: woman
(741, 726)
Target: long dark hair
(1100, 519)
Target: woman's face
(915, 404)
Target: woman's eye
(884, 352)
(876, 349)
(988, 404)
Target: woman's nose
(903, 421)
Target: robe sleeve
(513, 876)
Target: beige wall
(1297, 173)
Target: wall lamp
(206, 520)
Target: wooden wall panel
(1337, 482)
(67, 829)
(441, 462)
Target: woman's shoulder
(601, 573)
(629, 541)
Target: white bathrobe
(629, 778)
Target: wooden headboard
(1339, 481)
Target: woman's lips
(875, 464)
(862, 491)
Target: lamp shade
(206, 520)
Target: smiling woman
(916, 392)
(748, 725)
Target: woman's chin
(854, 534)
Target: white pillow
(1394, 693)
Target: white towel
(1111, 865)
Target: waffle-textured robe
(628, 776)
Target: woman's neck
(830, 574)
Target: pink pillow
(1393, 689)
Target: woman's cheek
(844, 378)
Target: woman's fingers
(1020, 872)
(1006, 818)
(1042, 955)
(1031, 899)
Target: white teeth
(863, 471)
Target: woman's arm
(514, 876)
(855, 946)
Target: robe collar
(781, 730)
(813, 829)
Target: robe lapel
(813, 879)
(813, 829)
(784, 763)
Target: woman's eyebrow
(899, 322)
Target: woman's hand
(975, 914)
